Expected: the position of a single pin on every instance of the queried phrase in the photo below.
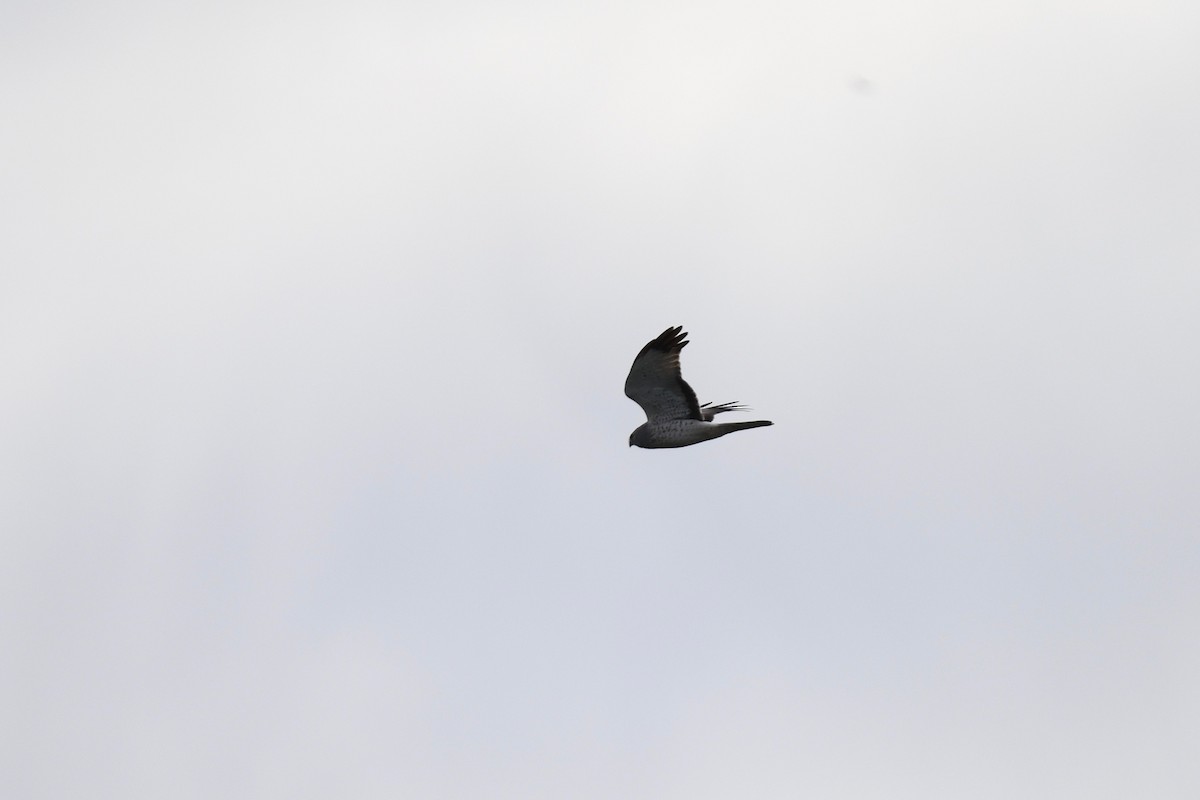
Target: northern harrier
(674, 418)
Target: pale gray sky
(314, 320)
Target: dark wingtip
(670, 339)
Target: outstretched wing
(655, 382)
(708, 410)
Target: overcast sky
(314, 477)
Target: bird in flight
(674, 417)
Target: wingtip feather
(674, 338)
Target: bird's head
(640, 437)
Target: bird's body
(682, 432)
(674, 417)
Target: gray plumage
(674, 417)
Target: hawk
(674, 418)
